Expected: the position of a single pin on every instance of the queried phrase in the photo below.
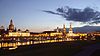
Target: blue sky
(27, 14)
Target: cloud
(51, 12)
(86, 15)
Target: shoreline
(63, 47)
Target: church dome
(11, 26)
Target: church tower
(70, 29)
(64, 30)
(11, 26)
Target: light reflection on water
(14, 45)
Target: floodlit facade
(11, 26)
(13, 31)
(41, 34)
(63, 33)
(71, 31)
(15, 34)
(56, 34)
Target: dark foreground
(53, 49)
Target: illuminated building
(16, 34)
(70, 30)
(58, 29)
(70, 33)
(56, 34)
(11, 26)
(42, 34)
(2, 30)
(19, 33)
(13, 31)
(48, 33)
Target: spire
(11, 22)
(64, 29)
(70, 29)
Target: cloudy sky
(29, 14)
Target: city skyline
(27, 14)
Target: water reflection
(13, 45)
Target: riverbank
(67, 48)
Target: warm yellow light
(13, 48)
(19, 34)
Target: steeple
(70, 29)
(11, 22)
(64, 30)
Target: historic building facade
(12, 31)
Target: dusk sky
(28, 14)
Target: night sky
(28, 14)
